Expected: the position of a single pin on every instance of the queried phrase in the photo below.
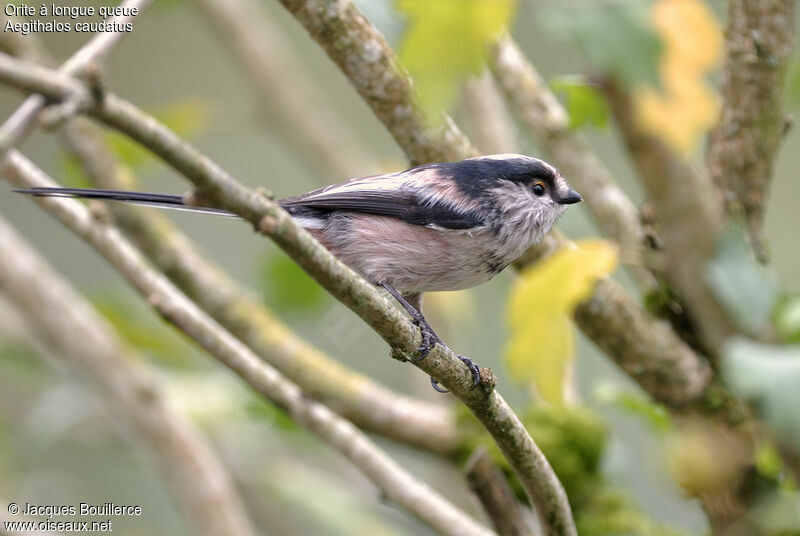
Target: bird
(434, 227)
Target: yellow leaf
(542, 342)
(685, 107)
(447, 40)
(691, 30)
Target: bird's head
(521, 187)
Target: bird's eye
(538, 188)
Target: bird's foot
(473, 368)
(429, 337)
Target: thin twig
(743, 146)
(72, 331)
(394, 483)
(365, 402)
(498, 499)
(214, 184)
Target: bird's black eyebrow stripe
(475, 176)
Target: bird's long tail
(167, 201)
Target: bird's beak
(571, 197)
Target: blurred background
(57, 444)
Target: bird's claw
(437, 387)
(429, 340)
(473, 368)
(429, 337)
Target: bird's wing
(391, 195)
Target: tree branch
(367, 60)
(216, 185)
(363, 401)
(743, 146)
(548, 123)
(391, 479)
(690, 218)
(72, 331)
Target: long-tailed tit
(445, 226)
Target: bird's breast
(414, 258)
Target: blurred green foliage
(769, 376)
(286, 287)
(610, 512)
(446, 41)
(779, 515)
(573, 439)
(787, 319)
(616, 37)
(768, 461)
(586, 106)
(142, 329)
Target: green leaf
(787, 319)
(747, 290)
(287, 287)
(769, 376)
(616, 37)
(768, 462)
(585, 104)
(447, 40)
(542, 341)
